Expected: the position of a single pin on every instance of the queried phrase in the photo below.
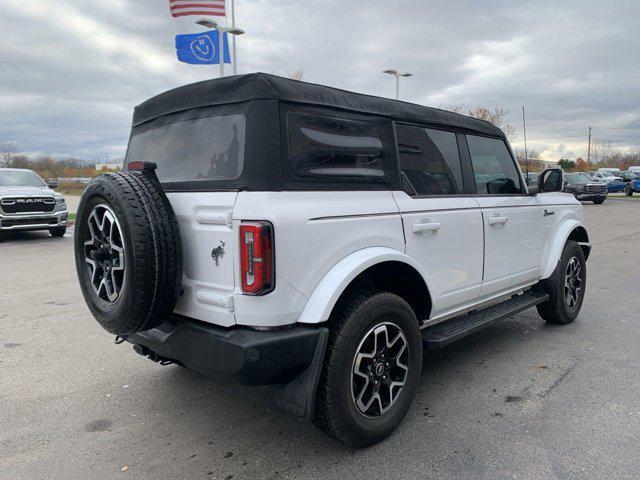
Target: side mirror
(52, 183)
(551, 180)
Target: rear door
(209, 245)
(514, 230)
(195, 157)
(442, 226)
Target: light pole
(395, 73)
(221, 31)
(233, 24)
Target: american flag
(181, 8)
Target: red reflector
(256, 257)
(134, 166)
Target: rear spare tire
(128, 252)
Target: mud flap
(299, 395)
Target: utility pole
(589, 149)
(526, 160)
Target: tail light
(257, 258)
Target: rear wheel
(628, 190)
(372, 369)
(566, 287)
(57, 231)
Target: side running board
(442, 334)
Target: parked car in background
(616, 186)
(632, 187)
(28, 203)
(634, 169)
(605, 176)
(614, 170)
(584, 188)
(531, 178)
(629, 175)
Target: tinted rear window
(332, 147)
(200, 149)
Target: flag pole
(233, 24)
(221, 51)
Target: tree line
(45, 165)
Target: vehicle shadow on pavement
(15, 237)
(207, 425)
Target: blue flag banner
(201, 48)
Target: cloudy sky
(71, 71)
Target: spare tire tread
(166, 234)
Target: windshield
(20, 178)
(207, 148)
(578, 177)
(607, 174)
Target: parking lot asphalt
(521, 399)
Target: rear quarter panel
(313, 232)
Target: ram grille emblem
(217, 253)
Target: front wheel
(628, 190)
(372, 369)
(566, 287)
(599, 201)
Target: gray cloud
(73, 70)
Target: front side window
(207, 148)
(323, 146)
(430, 161)
(494, 170)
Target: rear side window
(494, 170)
(429, 160)
(206, 148)
(332, 147)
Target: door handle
(425, 227)
(498, 220)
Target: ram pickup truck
(27, 203)
(584, 188)
(276, 232)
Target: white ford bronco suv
(276, 232)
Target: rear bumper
(242, 355)
(40, 221)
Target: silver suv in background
(27, 203)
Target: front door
(442, 227)
(514, 235)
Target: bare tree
(297, 74)
(533, 159)
(19, 161)
(7, 151)
(497, 116)
(601, 150)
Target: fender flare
(324, 297)
(554, 251)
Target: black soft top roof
(262, 86)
